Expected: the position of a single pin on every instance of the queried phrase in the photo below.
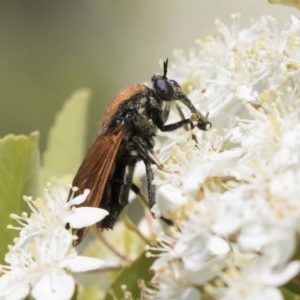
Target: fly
(127, 136)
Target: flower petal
(12, 288)
(190, 293)
(169, 198)
(80, 198)
(54, 285)
(218, 246)
(281, 277)
(86, 216)
(85, 264)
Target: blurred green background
(50, 48)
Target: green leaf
(130, 277)
(66, 140)
(19, 170)
(288, 295)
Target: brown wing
(95, 169)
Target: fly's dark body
(127, 136)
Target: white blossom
(257, 280)
(42, 259)
(233, 197)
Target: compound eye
(164, 89)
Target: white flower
(180, 179)
(43, 258)
(44, 266)
(234, 198)
(257, 280)
(53, 211)
(171, 283)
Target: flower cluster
(42, 258)
(234, 197)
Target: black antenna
(165, 68)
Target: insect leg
(148, 161)
(138, 192)
(150, 186)
(159, 118)
(186, 127)
(176, 125)
(127, 183)
(203, 123)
